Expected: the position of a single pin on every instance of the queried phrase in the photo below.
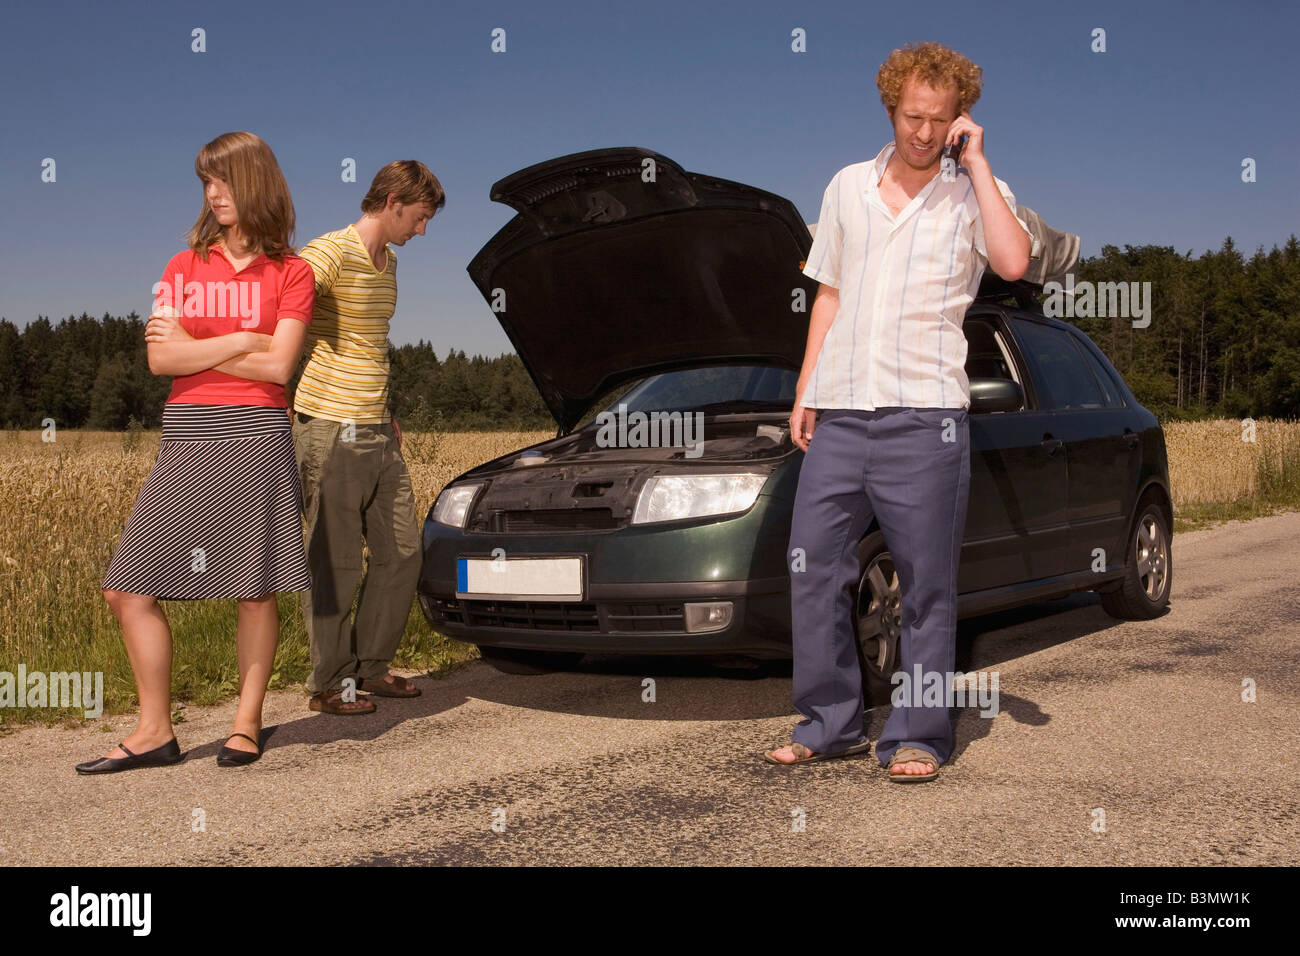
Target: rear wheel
(1144, 590)
(510, 660)
(877, 619)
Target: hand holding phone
(948, 159)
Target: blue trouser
(910, 468)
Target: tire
(509, 660)
(877, 619)
(1149, 571)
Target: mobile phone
(948, 159)
(953, 150)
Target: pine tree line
(94, 373)
(1224, 335)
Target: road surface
(1115, 743)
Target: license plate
(519, 579)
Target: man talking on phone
(882, 401)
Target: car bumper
(623, 619)
(738, 560)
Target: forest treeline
(1223, 341)
(94, 373)
(1224, 332)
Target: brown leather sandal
(399, 687)
(912, 755)
(335, 704)
(803, 755)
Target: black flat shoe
(168, 753)
(229, 757)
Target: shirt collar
(256, 259)
(871, 191)
(391, 256)
(879, 163)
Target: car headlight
(452, 506)
(678, 497)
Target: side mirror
(995, 395)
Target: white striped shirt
(905, 284)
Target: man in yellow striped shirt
(355, 483)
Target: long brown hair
(260, 194)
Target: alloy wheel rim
(1151, 553)
(880, 620)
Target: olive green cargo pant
(355, 487)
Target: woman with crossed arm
(220, 514)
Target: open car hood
(620, 264)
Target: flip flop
(912, 755)
(382, 688)
(804, 755)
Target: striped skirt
(220, 515)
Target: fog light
(713, 616)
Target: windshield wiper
(741, 405)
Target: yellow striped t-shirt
(346, 376)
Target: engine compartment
(573, 483)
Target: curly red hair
(934, 64)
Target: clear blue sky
(1140, 144)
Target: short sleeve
(298, 294)
(978, 223)
(824, 257)
(325, 260)
(170, 289)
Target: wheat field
(1225, 461)
(68, 501)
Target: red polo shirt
(214, 299)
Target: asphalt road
(1144, 721)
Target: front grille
(637, 618)
(644, 617)
(529, 615)
(559, 519)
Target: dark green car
(663, 315)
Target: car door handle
(1051, 445)
(1131, 438)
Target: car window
(1109, 392)
(986, 353)
(721, 387)
(1061, 374)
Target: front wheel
(877, 619)
(1144, 590)
(510, 660)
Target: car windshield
(716, 390)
